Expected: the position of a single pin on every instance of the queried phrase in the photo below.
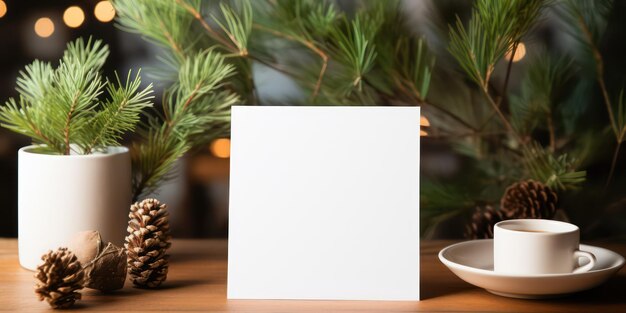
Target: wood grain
(197, 282)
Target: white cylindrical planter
(60, 195)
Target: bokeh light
(221, 148)
(44, 27)
(3, 8)
(73, 16)
(104, 11)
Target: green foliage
(237, 26)
(355, 51)
(210, 70)
(204, 75)
(120, 113)
(542, 90)
(61, 109)
(370, 54)
(621, 117)
(163, 22)
(351, 53)
(439, 201)
(585, 20)
(526, 131)
(494, 27)
(195, 110)
(556, 172)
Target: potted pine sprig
(76, 176)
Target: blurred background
(198, 197)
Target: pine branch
(589, 18)
(120, 113)
(196, 109)
(194, 10)
(542, 91)
(18, 118)
(163, 22)
(34, 81)
(586, 21)
(310, 45)
(621, 126)
(153, 159)
(237, 28)
(494, 27)
(556, 172)
(71, 105)
(354, 48)
(91, 54)
(60, 108)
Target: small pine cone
(59, 278)
(147, 243)
(483, 220)
(529, 199)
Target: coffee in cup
(537, 246)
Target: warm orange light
(73, 16)
(520, 52)
(423, 133)
(44, 27)
(3, 8)
(104, 11)
(221, 148)
(424, 121)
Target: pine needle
(60, 108)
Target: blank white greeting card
(324, 203)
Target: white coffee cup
(537, 246)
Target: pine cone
(147, 243)
(529, 199)
(59, 278)
(483, 220)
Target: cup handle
(588, 266)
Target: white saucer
(472, 261)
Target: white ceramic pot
(60, 195)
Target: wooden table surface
(197, 282)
